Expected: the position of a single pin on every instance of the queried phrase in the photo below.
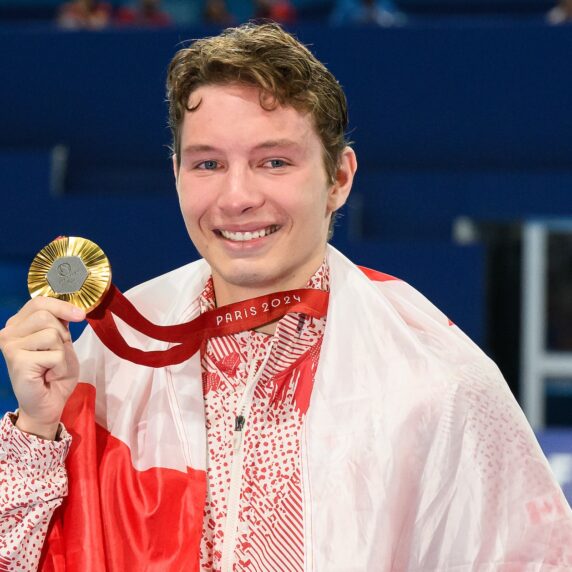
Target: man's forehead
(217, 113)
(211, 94)
(268, 144)
(237, 89)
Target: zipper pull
(238, 426)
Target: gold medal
(73, 269)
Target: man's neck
(227, 293)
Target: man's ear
(175, 167)
(340, 190)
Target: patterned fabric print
(32, 474)
(270, 524)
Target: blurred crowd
(93, 14)
(561, 13)
(99, 14)
(102, 14)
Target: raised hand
(42, 363)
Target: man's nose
(239, 192)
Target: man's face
(253, 191)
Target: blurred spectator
(90, 14)
(561, 13)
(216, 12)
(377, 12)
(281, 11)
(144, 13)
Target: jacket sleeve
(33, 483)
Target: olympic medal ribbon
(77, 270)
(225, 320)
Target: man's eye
(209, 165)
(276, 163)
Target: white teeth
(243, 236)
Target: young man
(375, 437)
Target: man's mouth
(244, 236)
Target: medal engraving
(67, 275)
(73, 269)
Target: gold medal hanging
(73, 269)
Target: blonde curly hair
(265, 56)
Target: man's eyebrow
(199, 148)
(271, 143)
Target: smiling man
(254, 190)
(371, 436)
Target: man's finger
(44, 340)
(31, 366)
(38, 321)
(48, 360)
(59, 308)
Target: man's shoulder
(376, 275)
(397, 294)
(391, 310)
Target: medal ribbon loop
(75, 269)
(230, 319)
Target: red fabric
(151, 520)
(306, 383)
(303, 392)
(117, 518)
(191, 335)
(377, 276)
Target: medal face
(73, 269)
(67, 275)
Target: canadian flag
(414, 455)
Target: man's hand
(42, 363)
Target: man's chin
(249, 280)
(255, 279)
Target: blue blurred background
(460, 112)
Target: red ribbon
(245, 315)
